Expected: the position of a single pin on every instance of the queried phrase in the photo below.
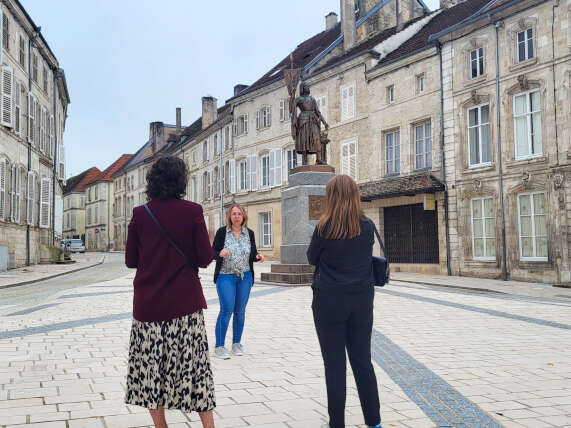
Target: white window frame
(266, 239)
(347, 102)
(424, 139)
(420, 83)
(395, 160)
(292, 159)
(479, 126)
(390, 94)
(241, 125)
(479, 59)
(264, 117)
(284, 110)
(242, 175)
(265, 170)
(529, 114)
(526, 41)
(484, 220)
(534, 237)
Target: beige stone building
(129, 181)
(74, 203)
(99, 207)
(32, 121)
(507, 75)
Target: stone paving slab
(442, 359)
(41, 272)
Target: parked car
(76, 246)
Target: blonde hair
(229, 214)
(342, 209)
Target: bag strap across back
(379, 238)
(165, 235)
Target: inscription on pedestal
(316, 206)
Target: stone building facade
(506, 96)
(74, 203)
(99, 207)
(32, 159)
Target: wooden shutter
(3, 171)
(276, 167)
(17, 108)
(258, 118)
(345, 159)
(17, 196)
(7, 95)
(245, 123)
(61, 161)
(353, 160)
(30, 199)
(350, 102)
(248, 173)
(45, 191)
(253, 172)
(232, 172)
(51, 137)
(31, 115)
(12, 191)
(272, 168)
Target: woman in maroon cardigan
(169, 365)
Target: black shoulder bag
(167, 238)
(381, 270)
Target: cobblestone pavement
(443, 357)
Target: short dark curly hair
(167, 178)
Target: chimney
(330, 20)
(178, 121)
(348, 24)
(398, 16)
(239, 88)
(445, 4)
(209, 111)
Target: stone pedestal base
(302, 204)
(292, 275)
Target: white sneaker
(237, 349)
(222, 352)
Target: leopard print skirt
(169, 365)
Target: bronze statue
(306, 127)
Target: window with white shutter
(275, 167)
(349, 159)
(3, 185)
(232, 174)
(12, 191)
(17, 108)
(32, 119)
(45, 196)
(7, 116)
(243, 175)
(43, 145)
(284, 110)
(253, 172)
(348, 102)
(31, 198)
(61, 162)
(15, 194)
(265, 169)
(322, 105)
(51, 138)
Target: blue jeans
(233, 294)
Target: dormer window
(477, 62)
(525, 45)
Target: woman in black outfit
(341, 250)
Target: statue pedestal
(303, 202)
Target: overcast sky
(132, 62)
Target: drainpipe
(55, 72)
(553, 70)
(30, 46)
(498, 25)
(443, 161)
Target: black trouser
(345, 321)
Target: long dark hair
(167, 178)
(342, 209)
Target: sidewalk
(530, 289)
(35, 273)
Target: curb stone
(17, 284)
